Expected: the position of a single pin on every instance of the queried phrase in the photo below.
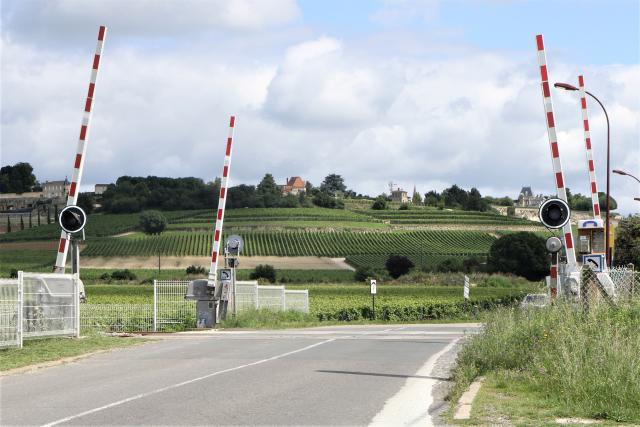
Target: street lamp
(567, 86)
(621, 172)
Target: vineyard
(361, 248)
(365, 237)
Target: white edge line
(395, 408)
(173, 386)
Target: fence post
(20, 310)
(76, 303)
(155, 304)
(283, 303)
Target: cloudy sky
(425, 92)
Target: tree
(324, 200)
(380, 204)
(269, 192)
(264, 272)
(431, 198)
(397, 265)
(152, 222)
(416, 199)
(18, 178)
(86, 201)
(523, 254)
(627, 244)
(602, 199)
(333, 184)
(455, 197)
(475, 202)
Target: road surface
(338, 375)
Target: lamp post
(621, 172)
(567, 86)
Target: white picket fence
(38, 305)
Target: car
(535, 301)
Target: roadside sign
(595, 261)
(466, 287)
(373, 287)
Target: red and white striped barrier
(555, 151)
(78, 163)
(595, 201)
(221, 204)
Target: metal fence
(296, 300)
(38, 305)
(271, 297)
(117, 317)
(10, 303)
(170, 309)
(50, 304)
(616, 285)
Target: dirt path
(174, 262)
(52, 244)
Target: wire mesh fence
(10, 303)
(271, 297)
(117, 317)
(50, 304)
(296, 300)
(170, 309)
(246, 295)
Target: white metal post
(20, 309)
(155, 305)
(76, 302)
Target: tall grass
(586, 363)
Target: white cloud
(64, 19)
(317, 86)
(319, 106)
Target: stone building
(526, 199)
(55, 189)
(295, 185)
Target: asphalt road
(342, 375)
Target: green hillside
(364, 237)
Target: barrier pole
(78, 162)
(561, 190)
(221, 204)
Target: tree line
(134, 194)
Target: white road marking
(410, 406)
(191, 381)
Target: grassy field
(567, 362)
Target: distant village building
(100, 188)
(55, 189)
(295, 185)
(399, 195)
(22, 201)
(526, 199)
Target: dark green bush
(264, 272)
(125, 274)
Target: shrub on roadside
(125, 274)
(195, 269)
(363, 273)
(265, 271)
(397, 265)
